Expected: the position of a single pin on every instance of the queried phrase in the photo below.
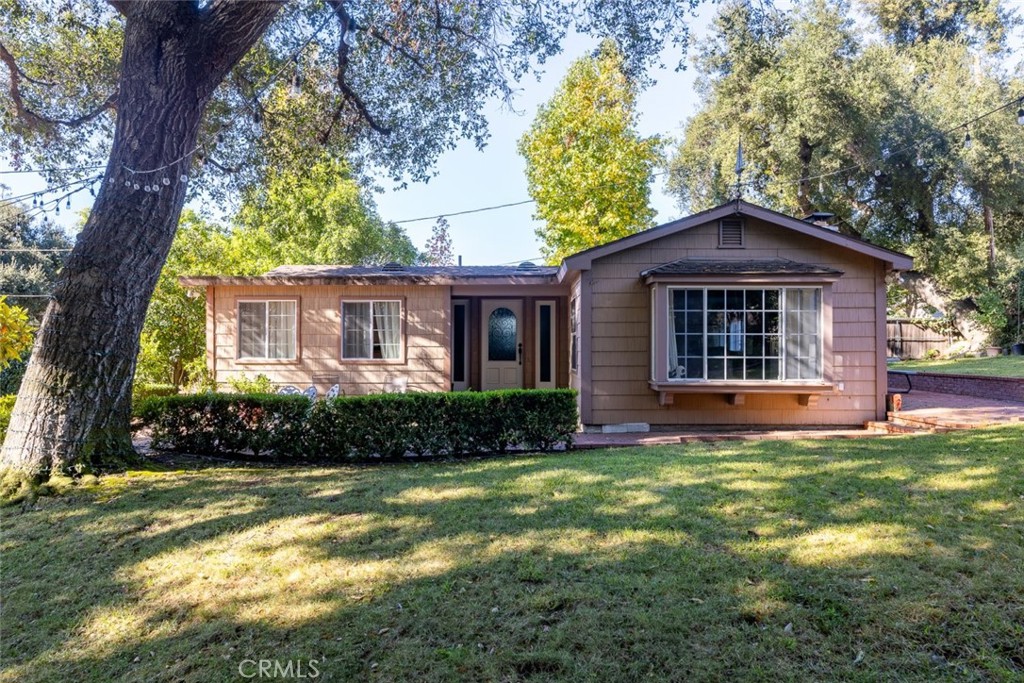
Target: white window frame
(400, 358)
(266, 322)
(783, 380)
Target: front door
(502, 337)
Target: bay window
(371, 330)
(744, 335)
(267, 330)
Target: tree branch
(230, 28)
(373, 32)
(33, 119)
(343, 16)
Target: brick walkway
(959, 412)
(923, 409)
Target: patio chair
(288, 390)
(333, 392)
(310, 393)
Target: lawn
(896, 558)
(997, 366)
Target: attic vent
(527, 265)
(730, 232)
(393, 267)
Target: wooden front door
(502, 337)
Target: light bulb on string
(135, 186)
(1020, 113)
(68, 204)
(166, 181)
(919, 162)
(967, 140)
(878, 172)
(851, 182)
(349, 37)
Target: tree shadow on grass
(674, 562)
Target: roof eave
(363, 280)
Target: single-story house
(735, 315)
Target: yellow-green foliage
(15, 332)
(587, 167)
(6, 406)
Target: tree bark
(960, 311)
(74, 406)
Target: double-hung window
(371, 330)
(771, 334)
(267, 330)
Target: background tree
(316, 215)
(439, 247)
(865, 126)
(171, 90)
(31, 254)
(587, 168)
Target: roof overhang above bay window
(764, 271)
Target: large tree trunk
(75, 400)
(960, 311)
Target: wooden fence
(905, 338)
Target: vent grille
(730, 232)
(393, 267)
(527, 265)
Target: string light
(967, 140)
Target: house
(735, 315)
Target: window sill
(735, 392)
(267, 361)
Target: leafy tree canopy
(587, 167)
(418, 72)
(864, 127)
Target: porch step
(895, 428)
(934, 424)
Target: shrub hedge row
(385, 426)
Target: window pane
(355, 329)
(716, 300)
(459, 344)
(734, 300)
(771, 300)
(281, 335)
(502, 333)
(754, 298)
(252, 329)
(716, 368)
(387, 330)
(802, 344)
(545, 343)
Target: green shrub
(260, 384)
(215, 424)
(144, 390)
(6, 407)
(384, 426)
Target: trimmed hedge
(145, 390)
(217, 424)
(384, 426)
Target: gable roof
(583, 260)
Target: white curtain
(281, 329)
(387, 321)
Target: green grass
(997, 366)
(897, 559)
